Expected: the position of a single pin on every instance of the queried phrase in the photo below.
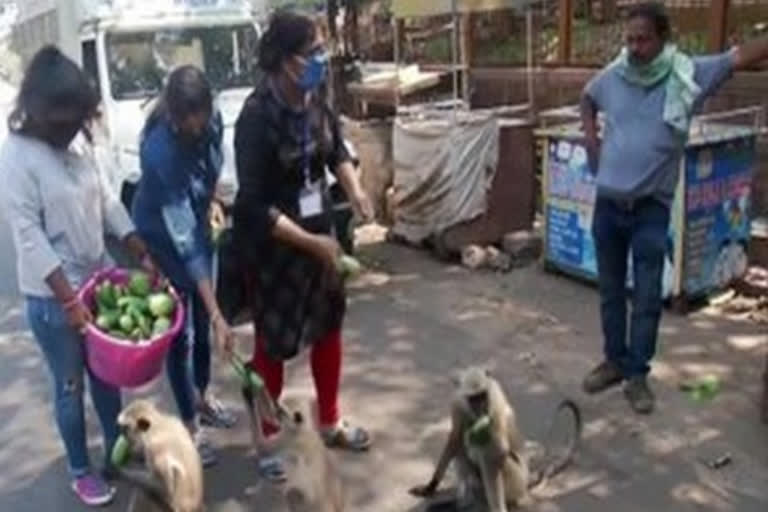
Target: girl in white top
(59, 208)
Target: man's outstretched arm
(750, 53)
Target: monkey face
(136, 420)
(293, 414)
(473, 389)
(478, 403)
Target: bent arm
(254, 202)
(589, 124)
(451, 449)
(149, 485)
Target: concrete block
(523, 244)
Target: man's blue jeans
(187, 376)
(63, 349)
(641, 227)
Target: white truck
(128, 46)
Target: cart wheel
(680, 305)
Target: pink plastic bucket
(123, 363)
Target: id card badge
(310, 201)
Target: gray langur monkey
(488, 448)
(312, 480)
(173, 479)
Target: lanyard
(305, 156)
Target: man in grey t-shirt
(648, 96)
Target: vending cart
(710, 222)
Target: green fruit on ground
(161, 304)
(161, 325)
(120, 452)
(140, 284)
(126, 323)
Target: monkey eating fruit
(173, 478)
(488, 448)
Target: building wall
(557, 87)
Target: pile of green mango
(136, 311)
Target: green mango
(121, 452)
(116, 333)
(479, 433)
(107, 319)
(126, 323)
(248, 377)
(140, 284)
(144, 324)
(105, 296)
(129, 303)
(348, 266)
(161, 304)
(161, 325)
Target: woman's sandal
(272, 469)
(347, 437)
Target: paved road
(407, 332)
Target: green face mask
(649, 74)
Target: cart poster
(717, 226)
(570, 198)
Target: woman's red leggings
(326, 370)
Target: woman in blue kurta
(181, 159)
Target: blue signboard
(571, 192)
(717, 204)
(570, 202)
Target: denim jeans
(642, 229)
(64, 353)
(187, 376)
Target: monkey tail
(555, 467)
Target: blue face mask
(315, 69)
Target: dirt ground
(412, 322)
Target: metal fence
(590, 36)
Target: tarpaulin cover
(442, 172)
(423, 8)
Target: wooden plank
(565, 31)
(718, 25)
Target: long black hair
(288, 32)
(188, 91)
(53, 81)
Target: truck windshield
(140, 61)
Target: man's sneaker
(93, 490)
(604, 376)
(205, 448)
(639, 395)
(213, 414)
